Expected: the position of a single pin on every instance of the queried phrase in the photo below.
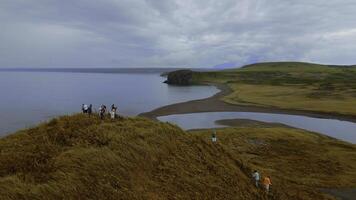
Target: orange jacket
(267, 181)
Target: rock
(180, 77)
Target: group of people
(266, 182)
(102, 110)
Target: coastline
(214, 104)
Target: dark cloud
(174, 33)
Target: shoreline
(214, 104)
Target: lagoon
(343, 130)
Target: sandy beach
(214, 104)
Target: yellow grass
(299, 162)
(81, 157)
(84, 158)
(293, 97)
(290, 85)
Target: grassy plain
(289, 85)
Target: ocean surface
(27, 98)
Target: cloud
(174, 33)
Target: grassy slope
(290, 85)
(298, 161)
(79, 157)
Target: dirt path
(214, 104)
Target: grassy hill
(289, 85)
(79, 157)
(298, 161)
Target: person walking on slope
(213, 137)
(256, 177)
(267, 182)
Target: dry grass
(294, 97)
(79, 157)
(298, 161)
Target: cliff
(180, 77)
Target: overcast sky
(175, 33)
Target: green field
(81, 157)
(289, 85)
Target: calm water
(343, 130)
(31, 97)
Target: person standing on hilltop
(256, 177)
(113, 111)
(113, 107)
(90, 110)
(85, 108)
(267, 182)
(102, 111)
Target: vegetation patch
(81, 157)
(299, 162)
(289, 85)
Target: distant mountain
(227, 65)
(94, 70)
(103, 70)
(234, 65)
(300, 66)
